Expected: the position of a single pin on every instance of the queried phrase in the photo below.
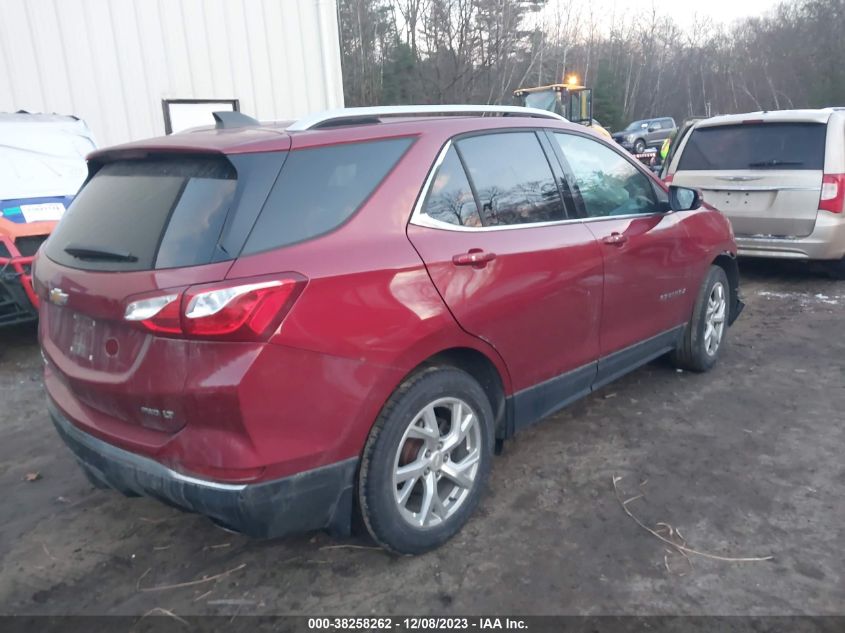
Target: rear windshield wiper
(776, 163)
(87, 252)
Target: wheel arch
(727, 262)
(480, 367)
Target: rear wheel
(836, 269)
(426, 461)
(639, 146)
(705, 333)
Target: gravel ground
(745, 461)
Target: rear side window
(755, 146)
(450, 198)
(140, 215)
(320, 188)
(512, 178)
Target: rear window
(755, 146)
(140, 215)
(320, 188)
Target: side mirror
(684, 199)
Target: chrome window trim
(420, 218)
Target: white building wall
(111, 62)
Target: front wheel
(426, 461)
(639, 146)
(705, 333)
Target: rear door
(648, 257)
(766, 177)
(139, 226)
(496, 240)
(655, 134)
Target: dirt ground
(745, 461)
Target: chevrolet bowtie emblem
(58, 297)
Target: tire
(836, 269)
(639, 146)
(403, 437)
(699, 350)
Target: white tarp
(42, 155)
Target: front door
(647, 252)
(491, 232)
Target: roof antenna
(229, 120)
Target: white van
(778, 176)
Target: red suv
(274, 325)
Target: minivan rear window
(755, 146)
(146, 214)
(320, 188)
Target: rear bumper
(826, 242)
(310, 500)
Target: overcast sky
(684, 12)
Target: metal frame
(18, 263)
(166, 103)
(320, 119)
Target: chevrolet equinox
(281, 326)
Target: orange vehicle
(42, 165)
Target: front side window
(450, 198)
(608, 184)
(512, 178)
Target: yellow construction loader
(570, 100)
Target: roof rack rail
(341, 116)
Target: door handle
(615, 239)
(476, 257)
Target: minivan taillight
(238, 310)
(833, 193)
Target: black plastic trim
(534, 403)
(310, 500)
(619, 363)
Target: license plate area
(82, 340)
(741, 200)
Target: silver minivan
(778, 176)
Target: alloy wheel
(714, 319)
(437, 462)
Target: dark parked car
(273, 324)
(640, 135)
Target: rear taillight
(238, 310)
(244, 311)
(159, 314)
(833, 193)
